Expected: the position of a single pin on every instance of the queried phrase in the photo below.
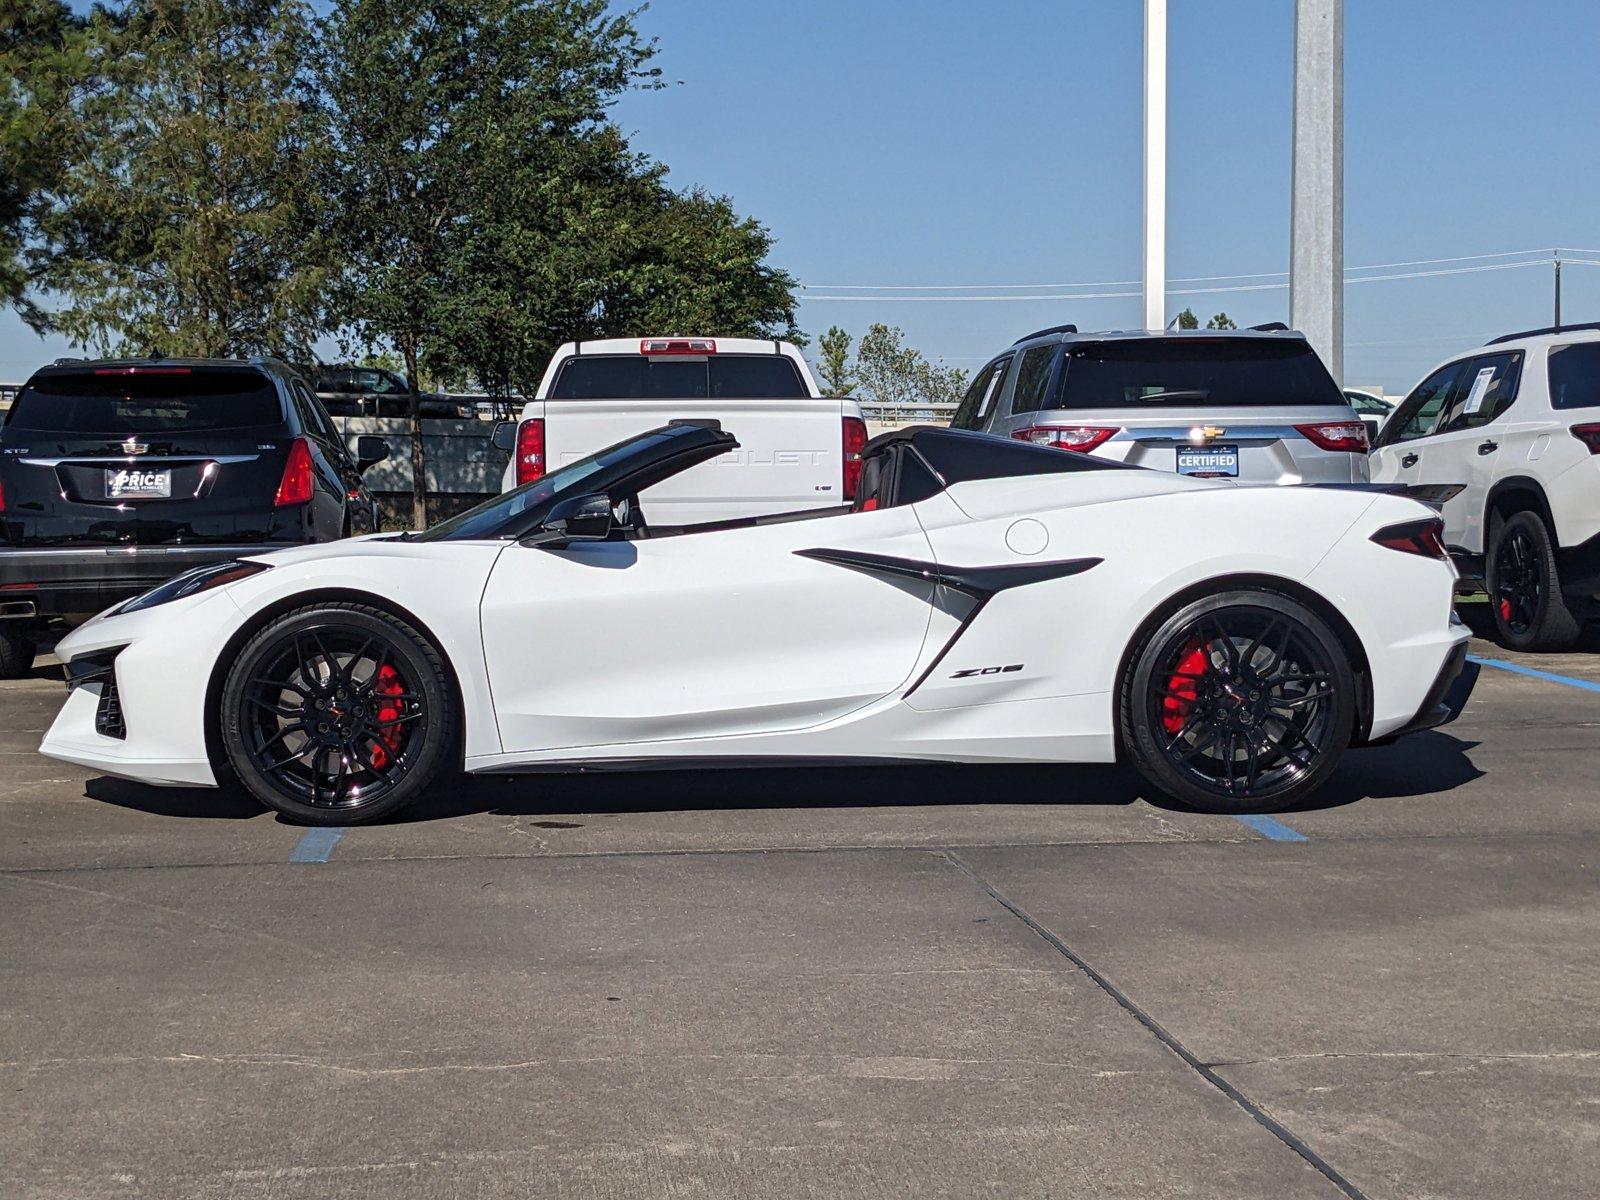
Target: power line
(996, 287)
(1204, 291)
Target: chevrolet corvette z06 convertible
(980, 600)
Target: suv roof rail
(1511, 337)
(1269, 327)
(1028, 337)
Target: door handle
(1488, 447)
(1408, 460)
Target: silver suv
(1256, 405)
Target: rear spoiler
(1434, 495)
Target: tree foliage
(1221, 321)
(1187, 319)
(41, 69)
(186, 221)
(837, 377)
(892, 373)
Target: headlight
(192, 583)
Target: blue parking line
(1268, 827)
(1587, 685)
(315, 845)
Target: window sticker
(1480, 389)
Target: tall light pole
(1155, 163)
(1316, 252)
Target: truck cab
(798, 449)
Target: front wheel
(17, 649)
(1241, 702)
(337, 714)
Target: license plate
(1208, 460)
(130, 483)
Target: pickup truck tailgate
(790, 454)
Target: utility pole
(1556, 257)
(1155, 164)
(1316, 251)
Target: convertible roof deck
(960, 455)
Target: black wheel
(337, 714)
(1525, 587)
(1241, 702)
(17, 649)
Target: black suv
(118, 474)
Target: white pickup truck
(797, 448)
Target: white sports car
(982, 600)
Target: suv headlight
(193, 582)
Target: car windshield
(489, 519)
(117, 401)
(1185, 372)
(640, 376)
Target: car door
(1467, 443)
(1403, 446)
(703, 634)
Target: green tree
(1187, 319)
(186, 222)
(837, 378)
(1221, 321)
(892, 373)
(42, 68)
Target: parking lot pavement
(1013, 982)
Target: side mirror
(579, 519)
(1374, 427)
(504, 436)
(370, 451)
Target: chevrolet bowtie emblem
(134, 446)
(1201, 434)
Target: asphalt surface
(941, 982)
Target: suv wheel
(1238, 703)
(1530, 612)
(17, 649)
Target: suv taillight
(530, 450)
(295, 486)
(1348, 436)
(1082, 438)
(1589, 435)
(855, 441)
(1424, 537)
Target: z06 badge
(987, 671)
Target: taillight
(855, 441)
(1348, 436)
(530, 450)
(1082, 438)
(678, 346)
(1424, 537)
(295, 486)
(1589, 435)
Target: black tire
(17, 650)
(356, 704)
(1530, 613)
(1237, 703)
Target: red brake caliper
(1182, 686)
(387, 687)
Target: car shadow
(212, 804)
(1423, 764)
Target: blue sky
(891, 142)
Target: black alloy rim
(332, 717)
(1519, 582)
(1243, 702)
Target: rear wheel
(1530, 612)
(337, 714)
(17, 649)
(1241, 702)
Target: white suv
(1517, 423)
